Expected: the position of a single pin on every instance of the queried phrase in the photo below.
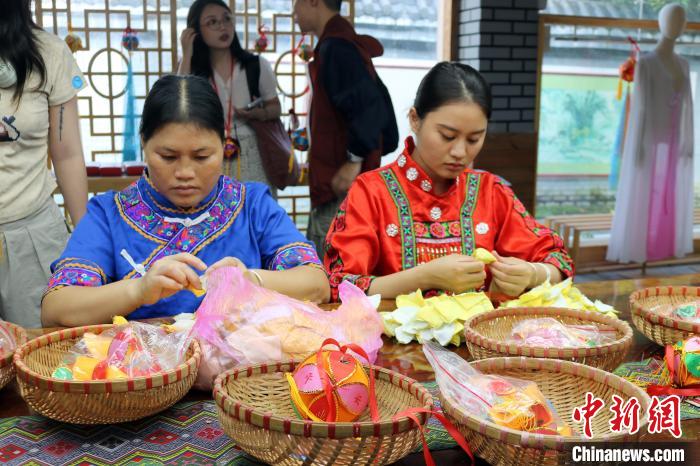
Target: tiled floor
(660, 271)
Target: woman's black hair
(449, 82)
(201, 62)
(18, 44)
(182, 99)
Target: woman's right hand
(456, 272)
(167, 276)
(187, 41)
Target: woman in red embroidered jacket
(416, 222)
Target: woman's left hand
(511, 275)
(249, 114)
(232, 262)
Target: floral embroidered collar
(148, 212)
(413, 172)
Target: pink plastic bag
(240, 323)
(7, 341)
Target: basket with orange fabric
(564, 384)
(96, 401)
(263, 410)
(487, 336)
(654, 313)
(19, 337)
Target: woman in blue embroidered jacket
(136, 251)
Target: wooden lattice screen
(158, 23)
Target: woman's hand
(234, 262)
(167, 276)
(456, 273)
(187, 42)
(511, 275)
(255, 113)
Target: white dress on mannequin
(654, 211)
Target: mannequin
(672, 23)
(654, 212)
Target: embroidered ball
(300, 139)
(261, 44)
(348, 385)
(683, 362)
(74, 42)
(306, 52)
(130, 40)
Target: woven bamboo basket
(649, 305)
(255, 408)
(95, 402)
(486, 336)
(565, 385)
(7, 369)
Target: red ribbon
(411, 413)
(656, 390)
(449, 427)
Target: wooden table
(409, 359)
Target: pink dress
(653, 217)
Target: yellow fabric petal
(119, 320)
(484, 255)
(389, 323)
(431, 315)
(412, 299)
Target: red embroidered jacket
(392, 220)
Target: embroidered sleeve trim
(561, 261)
(337, 276)
(75, 272)
(293, 255)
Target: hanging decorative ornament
(130, 149)
(305, 52)
(73, 41)
(261, 42)
(231, 148)
(130, 40)
(299, 136)
(627, 68)
(8, 77)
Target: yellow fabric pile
(563, 294)
(440, 318)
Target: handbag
(274, 145)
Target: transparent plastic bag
(7, 341)
(688, 311)
(240, 323)
(506, 401)
(549, 332)
(134, 349)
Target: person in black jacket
(351, 117)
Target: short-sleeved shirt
(25, 181)
(123, 234)
(241, 94)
